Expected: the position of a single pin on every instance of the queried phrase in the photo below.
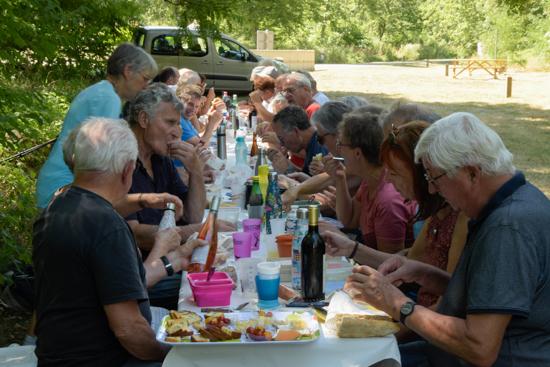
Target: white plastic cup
(277, 226)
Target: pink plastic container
(216, 292)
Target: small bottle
(203, 257)
(253, 120)
(299, 233)
(169, 217)
(291, 219)
(234, 102)
(255, 203)
(263, 176)
(241, 152)
(254, 148)
(313, 259)
(220, 142)
(227, 100)
(262, 160)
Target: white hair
(461, 140)
(300, 79)
(101, 144)
(188, 76)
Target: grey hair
(354, 101)
(329, 116)
(135, 57)
(188, 76)
(309, 77)
(300, 79)
(149, 99)
(461, 140)
(100, 144)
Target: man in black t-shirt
(91, 298)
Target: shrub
(408, 52)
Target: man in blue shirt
(296, 133)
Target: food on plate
(215, 333)
(191, 317)
(216, 319)
(258, 333)
(178, 327)
(176, 339)
(286, 335)
(199, 339)
(295, 321)
(363, 326)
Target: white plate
(308, 317)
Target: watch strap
(406, 310)
(167, 265)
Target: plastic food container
(216, 292)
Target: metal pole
(446, 69)
(509, 87)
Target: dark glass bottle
(313, 259)
(256, 202)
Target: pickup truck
(225, 62)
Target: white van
(225, 62)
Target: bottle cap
(170, 206)
(313, 215)
(215, 203)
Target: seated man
(494, 310)
(154, 119)
(318, 96)
(297, 90)
(91, 299)
(295, 133)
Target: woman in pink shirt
(381, 213)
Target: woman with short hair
(129, 70)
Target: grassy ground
(523, 121)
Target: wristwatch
(167, 265)
(406, 310)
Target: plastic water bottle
(169, 217)
(241, 151)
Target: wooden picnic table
(492, 66)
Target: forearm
(314, 184)
(454, 335)
(139, 340)
(433, 279)
(196, 197)
(128, 205)
(155, 270)
(366, 255)
(344, 203)
(188, 230)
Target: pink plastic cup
(242, 244)
(254, 226)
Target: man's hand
(367, 285)
(334, 168)
(165, 241)
(316, 167)
(159, 201)
(211, 94)
(298, 176)
(278, 160)
(187, 154)
(272, 141)
(398, 270)
(328, 197)
(225, 226)
(180, 257)
(338, 244)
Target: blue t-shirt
(313, 148)
(98, 100)
(505, 269)
(188, 132)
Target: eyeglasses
(433, 180)
(339, 144)
(321, 138)
(289, 90)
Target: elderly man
(91, 299)
(295, 133)
(155, 121)
(494, 309)
(318, 96)
(297, 90)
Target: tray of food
(215, 328)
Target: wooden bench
(492, 66)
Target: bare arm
(132, 203)
(144, 234)
(477, 339)
(134, 332)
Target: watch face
(407, 308)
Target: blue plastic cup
(267, 284)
